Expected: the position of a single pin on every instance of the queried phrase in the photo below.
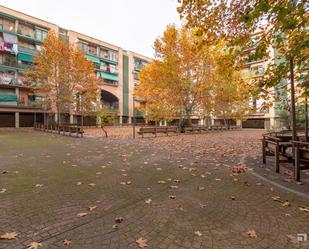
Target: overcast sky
(130, 24)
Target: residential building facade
(21, 37)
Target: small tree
(104, 117)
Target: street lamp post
(134, 117)
(82, 114)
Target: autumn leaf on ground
(34, 245)
(66, 242)
(39, 185)
(201, 188)
(3, 190)
(277, 198)
(91, 208)
(142, 243)
(172, 197)
(173, 186)
(198, 233)
(91, 184)
(251, 233)
(304, 209)
(239, 169)
(148, 201)
(161, 182)
(119, 219)
(286, 204)
(9, 235)
(79, 183)
(82, 214)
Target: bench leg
(264, 150)
(277, 159)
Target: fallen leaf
(39, 185)
(277, 198)
(9, 235)
(79, 183)
(148, 201)
(304, 209)
(91, 208)
(161, 182)
(66, 242)
(34, 245)
(119, 219)
(3, 190)
(115, 226)
(172, 197)
(142, 243)
(286, 204)
(174, 187)
(82, 214)
(251, 233)
(198, 233)
(92, 184)
(201, 188)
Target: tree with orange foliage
(61, 74)
(174, 83)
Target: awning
(25, 57)
(8, 98)
(93, 58)
(109, 76)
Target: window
(136, 75)
(40, 34)
(83, 47)
(113, 56)
(92, 50)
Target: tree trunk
(103, 129)
(306, 120)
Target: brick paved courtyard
(174, 192)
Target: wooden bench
(275, 145)
(156, 130)
(70, 129)
(196, 128)
(301, 157)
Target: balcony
(7, 28)
(31, 51)
(11, 64)
(24, 66)
(11, 100)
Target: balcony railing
(8, 28)
(24, 66)
(30, 34)
(26, 50)
(9, 64)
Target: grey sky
(130, 24)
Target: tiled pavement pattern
(196, 164)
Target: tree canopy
(61, 74)
(281, 24)
(191, 78)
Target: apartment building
(264, 116)
(21, 37)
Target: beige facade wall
(74, 38)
